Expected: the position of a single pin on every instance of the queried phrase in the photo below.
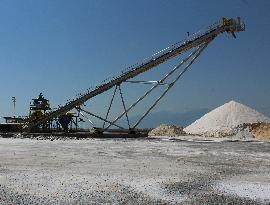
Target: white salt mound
(223, 120)
(167, 130)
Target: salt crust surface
(256, 191)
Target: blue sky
(62, 47)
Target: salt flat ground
(133, 171)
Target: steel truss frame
(199, 39)
(186, 63)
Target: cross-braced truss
(177, 71)
(197, 41)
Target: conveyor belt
(170, 52)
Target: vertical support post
(76, 122)
(124, 106)
(14, 106)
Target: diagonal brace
(171, 85)
(111, 123)
(156, 85)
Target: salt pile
(225, 119)
(167, 130)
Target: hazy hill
(167, 117)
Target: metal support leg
(156, 85)
(124, 106)
(171, 85)
(111, 123)
(108, 111)
(79, 110)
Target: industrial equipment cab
(40, 106)
(198, 41)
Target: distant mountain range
(167, 117)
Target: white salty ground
(119, 171)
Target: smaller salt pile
(167, 130)
(225, 120)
